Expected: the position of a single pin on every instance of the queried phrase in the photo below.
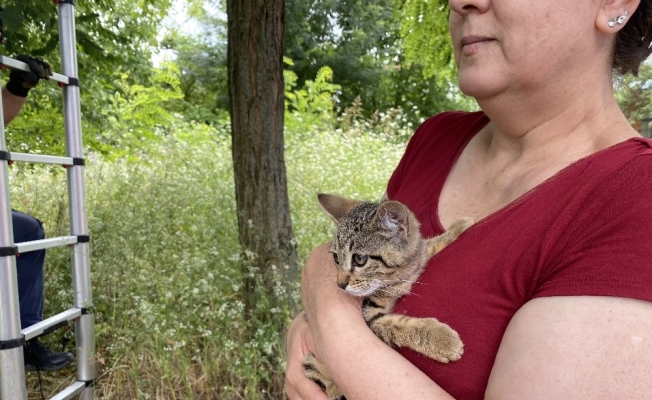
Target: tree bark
(256, 95)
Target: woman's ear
(614, 14)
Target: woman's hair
(634, 40)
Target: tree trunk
(256, 95)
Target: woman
(551, 289)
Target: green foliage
(426, 41)
(313, 104)
(39, 126)
(361, 42)
(140, 113)
(391, 125)
(634, 94)
(427, 46)
(166, 258)
(114, 41)
(353, 38)
(131, 115)
(109, 33)
(201, 59)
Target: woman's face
(507, 45)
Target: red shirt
(585, 231)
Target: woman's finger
(297, 385)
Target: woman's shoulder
(626, 162)
(616, 165)
(632, 171)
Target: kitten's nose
(343, 280)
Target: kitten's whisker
(392, 291)
(401, 294)
(394, 280)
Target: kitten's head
(376, 245)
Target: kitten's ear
(393, 216)
(337, 207)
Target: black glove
(20, 82)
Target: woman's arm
(20, 82)
(362, 365)
(576, 348)
(570, 347)
(11, 105)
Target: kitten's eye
(359, 260)
(336, 259)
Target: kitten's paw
(436, 244)
(439, 341)
(460, 226)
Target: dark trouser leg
(30, 269)
(30, 292)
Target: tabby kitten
(379, 254)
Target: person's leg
(30, 269)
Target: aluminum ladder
(12, 338)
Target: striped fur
(379, 254)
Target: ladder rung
(71, 391)
(15, 64)
(33, 245)
(37, 158)
(48, 325)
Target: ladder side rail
(12, 372)
(85, 325)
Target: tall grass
(166, 283)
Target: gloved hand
(20, 82)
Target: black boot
(39, 358)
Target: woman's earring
(620, 20)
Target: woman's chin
(479, 90)
(481, 83)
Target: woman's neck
(499, 165)
(553, 127)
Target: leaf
(12, 18)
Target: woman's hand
(319, 294)
(299, 342)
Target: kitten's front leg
(427, 336)
(436, 244)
